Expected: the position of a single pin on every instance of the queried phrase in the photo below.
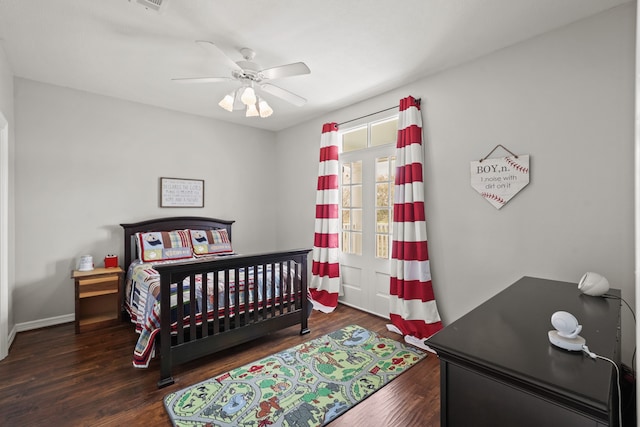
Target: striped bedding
(142, 301)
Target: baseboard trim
(43, 323)
(11, 337)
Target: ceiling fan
(253, 80)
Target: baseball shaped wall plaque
(499, 179)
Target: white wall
(6, 107)
(567, 99)
(86, 163)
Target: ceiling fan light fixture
(265, 109)
(248, 96)
(252, 111)
(227, 102)
(248, 74)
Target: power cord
(633, 314)
(631, 398)
(594, 356)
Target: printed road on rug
(307, 385)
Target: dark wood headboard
(167, 224)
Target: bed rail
(277, 299)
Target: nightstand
(98, 296)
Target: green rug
(307, 385)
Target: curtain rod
(373, 114)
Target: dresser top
(508, 337)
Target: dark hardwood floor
(53, 377)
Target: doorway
(367, 163)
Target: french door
(367, 183)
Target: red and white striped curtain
(325, 270)
(413, 308)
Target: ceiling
(355, 49)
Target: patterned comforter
(142, 301)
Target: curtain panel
(413, 309)
(325, 270)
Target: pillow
(207, 242)
(164, 245)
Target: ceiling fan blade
(219, 54)
(295, 69)
(202, 79)
(292, 98)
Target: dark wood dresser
(497, 367)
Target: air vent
(155, 5)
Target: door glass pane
(385, 132)
(356, 176)
(346, 173)
(346, 219)
(392, 180)
(382, 246)
(356, 242)
(382, 169)
(382, 220)
(346, 239)
(385, 175)
(382, 194)
(392, 168)
(351, 189)
(356, 220)
(356, 196)
(346, 196)
(355, 139)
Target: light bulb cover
(252, 111)
(227, 102)
(265, 109)
(248, 96)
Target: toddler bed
(189, 295)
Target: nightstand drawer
(98, 286)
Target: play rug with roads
(307, 385)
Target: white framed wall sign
(499, 179)
(181, 193)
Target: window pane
(354, 140)
(382, 221)
(382, 169)
(356, 242)
(356, 176)
(382, 246)
(346, 173)
(393, 179)
(356, 196)
(392, 170)
(384, 132)
(346, 238)
(382, 194)
(356, 219)
(346, 219)
(346, 197)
